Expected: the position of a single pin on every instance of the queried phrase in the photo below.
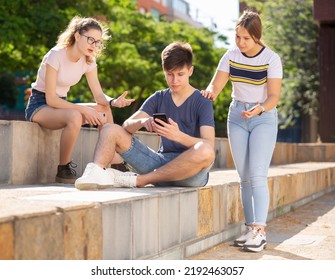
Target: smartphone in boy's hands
(161, 116)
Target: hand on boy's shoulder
(206, 94)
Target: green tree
(29, 28)
(131, 60)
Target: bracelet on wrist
(262, 110)
(111, 102)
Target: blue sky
(224, 13)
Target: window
(181, 6)
(155, 13)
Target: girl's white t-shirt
(68, 73)
(249, 74)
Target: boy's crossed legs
(194, 163)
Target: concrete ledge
(42, 220)
(30, 154)
(303, 152)
(60, 222)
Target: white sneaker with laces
(244, 237)
(256, 243)
(94, 177)
(123, 179)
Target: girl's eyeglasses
(92, 41)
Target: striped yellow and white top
(249, 74)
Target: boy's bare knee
(204, 152)
(111, 129)
(108, 126)
(208, 153)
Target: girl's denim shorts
(36, 102)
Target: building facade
(170, 10)
(324, 13)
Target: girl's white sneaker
(256, 243)
(244, 237)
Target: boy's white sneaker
(94, 178)
(123, 179)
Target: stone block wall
(30, 154)
(152, 223)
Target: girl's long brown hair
(251, 21)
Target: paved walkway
(307, 233)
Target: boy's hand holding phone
(160, 116)
(171, 131)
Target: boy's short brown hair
(177, 55)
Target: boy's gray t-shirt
(195, 112)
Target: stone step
(29, 154)
(54, 221)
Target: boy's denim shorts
(144, 160)
(36, 102)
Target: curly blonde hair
(81, 25)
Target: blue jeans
(144, 160)
(252, 142)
